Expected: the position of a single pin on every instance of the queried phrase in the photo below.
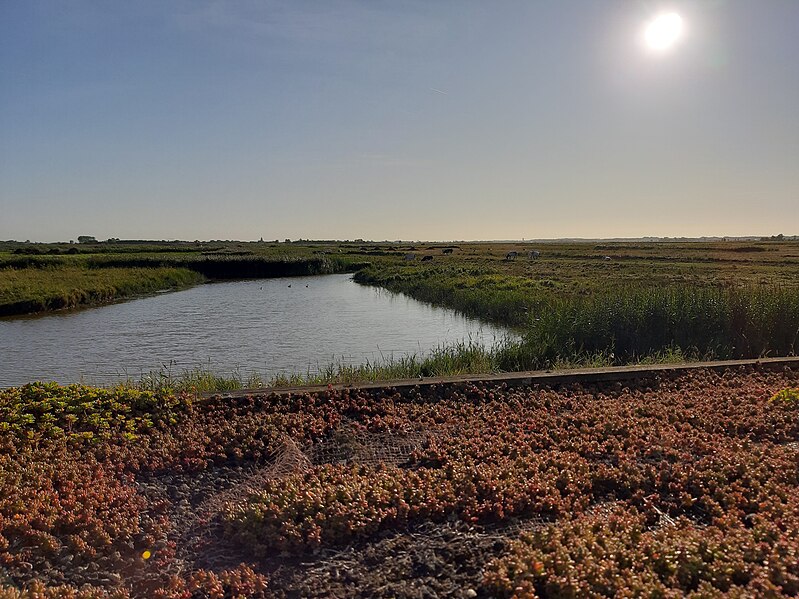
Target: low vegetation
(56, 288)
(630, 323)
(669, 486)
(466, 357)
(575, 303)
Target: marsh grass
(234, 265)
(610, 320)
(40, 283)
(459, 359)
(467, 357)
(500, 299)
(30, 290)
(737, 322)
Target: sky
(414, 120)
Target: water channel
(263, 327)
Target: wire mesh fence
(197, 526)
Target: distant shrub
(751, 248)
(28, 251)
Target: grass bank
(457, 359)
(461, 358)
(30, 290)
(39, 283)
(500, 298)
(227, 266)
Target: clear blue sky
(396, 120)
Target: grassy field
(572, 303)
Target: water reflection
(266, 327)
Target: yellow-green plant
(787, 397)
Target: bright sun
(663, 31)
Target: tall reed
(630, 322)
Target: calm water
(263, 327)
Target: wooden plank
(527, 378)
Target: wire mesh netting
(350, 444)
(196, 526)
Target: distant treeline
(236, 266)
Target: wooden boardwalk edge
(537, 377)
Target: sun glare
(663, 32)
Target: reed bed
(610, 321)
(737, 322)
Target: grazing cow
(426, 258)
(409, 257)
(533, 254)
(606, 258)
(511, 256)
(447, 250)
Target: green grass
(466, 357)
(737, 322)
(24, 291)
(458, 359)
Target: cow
(409, 257)
(426, 258)
(511, 256)
(607, 258)
(447, 251)
(533, 254)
